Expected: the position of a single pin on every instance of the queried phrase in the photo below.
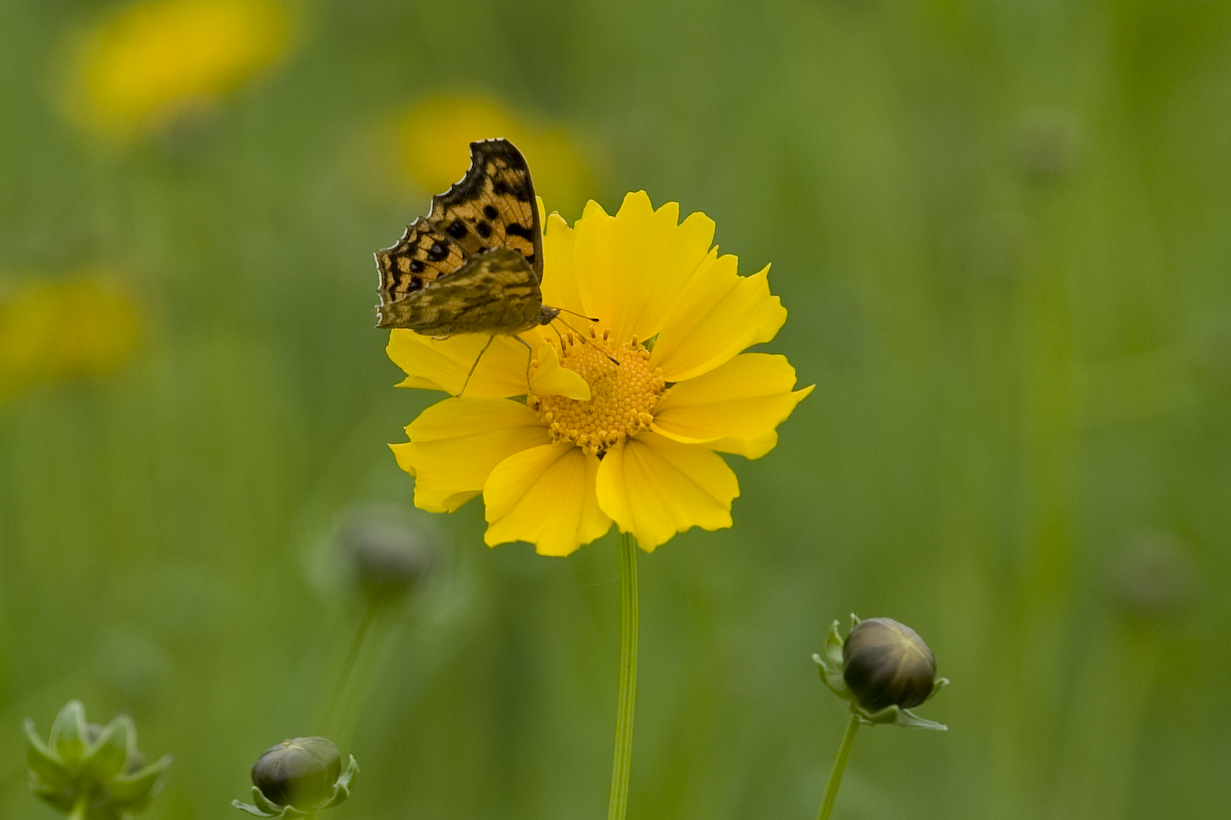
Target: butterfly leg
(529, 359)
(477, 359)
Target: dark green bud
(883, 668)
(299, 772)
(886, 663)
(299, 777)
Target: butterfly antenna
(575, 313)
(582, 336)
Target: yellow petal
(631, 267)
(454, 444)
(404, 455)
(718, 315)
(544, 495)
(733, 408)
(498, 362)
(654, 487)
(548, 378)
(559, 284)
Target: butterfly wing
(496, 291)
(492, 207)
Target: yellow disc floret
(623, 392)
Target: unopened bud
(883, 668)
(886, 663)
(299, 777)
(299, 772)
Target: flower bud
(1153, 577)
(92, 771)
(299, 777)
(886, 663)
(389, 551)
(299, 772)
(882, 668)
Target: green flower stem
(79, 808)
(622, 763)
(839, 767)
(341, 706)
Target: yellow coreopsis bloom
(667, 382)
(154, 62)
(84, 325)
(429, 132)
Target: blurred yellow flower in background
(621, 422)
(152, 64)
(83, 325)
(430, 131)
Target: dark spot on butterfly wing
(490, 212)
(484, 229)
(457, 229)
(517, 229)
(519, 190)
(439, 252)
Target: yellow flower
(659, 384)
(156, 62)
(50, 330)
(429, 133)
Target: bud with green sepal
(884, 669)
(91, 772)
(298, 778)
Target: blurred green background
(1002, 233)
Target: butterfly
(474, 264)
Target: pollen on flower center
(623, 392)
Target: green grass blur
(1002, 233)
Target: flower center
(623, 392)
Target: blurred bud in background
(149, 66)
(298, 777)
(387, 551)
(1047, 146)
(1153, 577)
(1211, 354)
(91, 772)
